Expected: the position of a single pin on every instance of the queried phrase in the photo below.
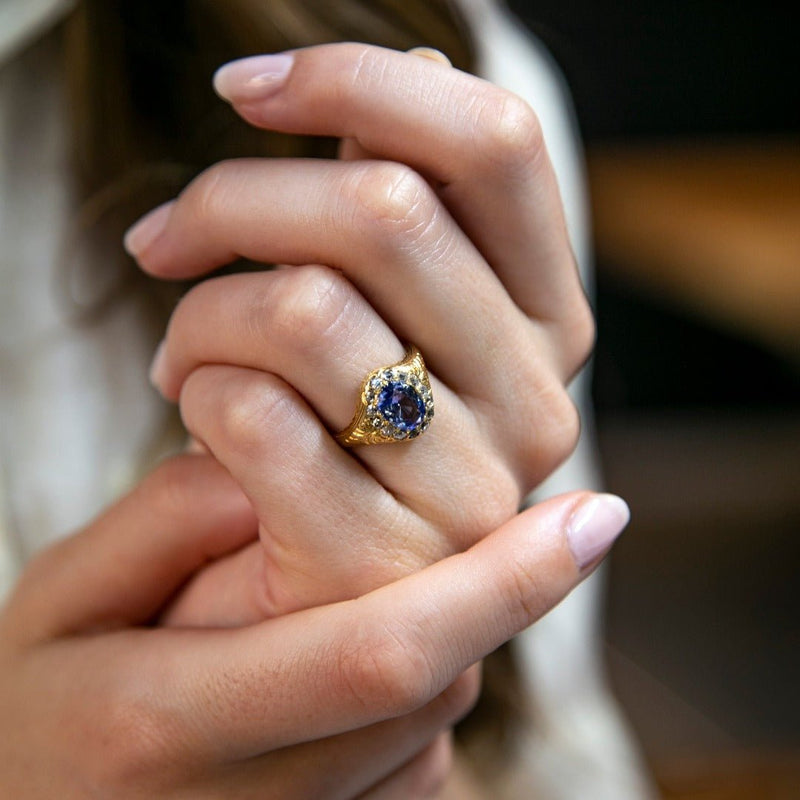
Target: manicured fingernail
(195, 448)
(158, 365)
(594, 526)
(144, 232)
(251, 79)
(432, 54)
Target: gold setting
(372, 422)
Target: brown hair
(145, 119)
(140, 72)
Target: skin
(246, 644)
(259, 360)
(342, 700)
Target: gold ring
(395, 404)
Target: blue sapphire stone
(400, 405)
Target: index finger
(481, 146)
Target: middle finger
(383, 226)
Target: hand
(470, 262)
(330, 702)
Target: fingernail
(158, 365)
(432, 54)
(144, 232)
(594, 526)
(195, 448)
(252, 79)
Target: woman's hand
(451, 237)
(330, 702)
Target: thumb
(335, 668)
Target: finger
(123, 567)
(379, 223)
(351, 149)
(344, 766)
(324, 671)
(481, 144)
(227, 593)
(272, 443)
(313, 328)
(421, 507)
(422, 777)
(309, 327)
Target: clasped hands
(281, 617)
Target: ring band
(395, 404)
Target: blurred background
(691, 117)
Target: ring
(395, 404)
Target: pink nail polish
(144, 232)
(431, 54)
(594, 526)
(158, 365)
(252, 79)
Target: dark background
(651, 71)
(641, 69)
(699, 425)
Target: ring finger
(277, 450)
(309, 326)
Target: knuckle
(550, 438)
(559, 436)
(207, 193)
(582, 336)
(207, 293)
(136, 747)
(568, 424)
(385, 671)
(391, 200)
(312, 305)
(367, 66)
(509, 134)
(183, 312)
(525, 595)
(251, 410)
